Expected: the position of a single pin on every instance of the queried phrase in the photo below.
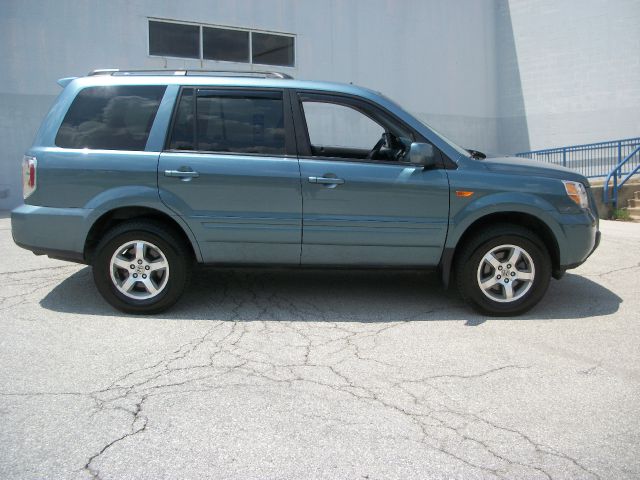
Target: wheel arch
(115, 216)
(523, 219)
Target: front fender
(464, 215)
(504, 202)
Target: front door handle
(183, 174)
(326, 180)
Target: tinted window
(183, 134)
(223, 44)
(272, 49)
(229, 122)
(241, 124)
(110, 118)
(174, 40)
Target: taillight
(29, 166)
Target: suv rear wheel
(505, 270)
(141, 267)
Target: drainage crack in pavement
(225, 339)
(178, 369)
(316, 354)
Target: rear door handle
(183, 174)
(326, 180)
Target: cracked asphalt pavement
(320, 374)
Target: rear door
(362, 205)
(230, 170)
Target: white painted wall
(577, 75)
(435, 57)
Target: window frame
(201, 27)
(290, 150)
(361, 105)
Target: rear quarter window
(111, 117)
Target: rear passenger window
(111, 117)
(233, 122)
(183, 136)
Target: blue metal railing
(592, 159)
(631, 163)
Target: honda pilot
(143, 174)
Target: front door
(362, 204)
(230, 171)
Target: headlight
(577, 193)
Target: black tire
(471, 256)
(177, 254)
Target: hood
(526, 166)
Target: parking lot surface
(320, 374)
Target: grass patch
(621, 214)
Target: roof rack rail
(212, 73)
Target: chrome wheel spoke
(157, 265)
(491, 260)
(122, 263)
(139, 250)
(489, 283)
(526, 276)
(508, 290)
(128, 284)
(514, 257)
(151, 288)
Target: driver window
(339, 130)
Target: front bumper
(582, 237)
(56, 232)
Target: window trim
(290, 148)
(201, 25)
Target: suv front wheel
(141, 267)
(505, 270)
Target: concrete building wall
(434, 57)
(575, 77)
(496, 75)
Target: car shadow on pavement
(332, 296)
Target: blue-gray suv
(143, 174)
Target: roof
(263, 79)
(191, 72)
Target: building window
(269, 49)
(204, 42)
(225, 44)
(174, 40)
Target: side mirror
(422, 154)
